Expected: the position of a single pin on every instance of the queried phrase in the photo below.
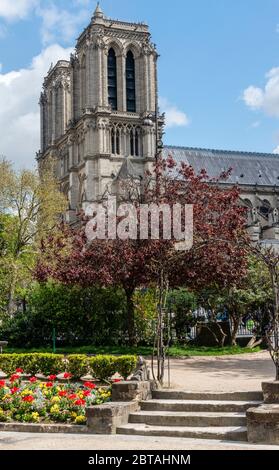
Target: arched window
(112, 79)
(137, 143)
(265, 208)
(130, 83)
(134, 142)
(115, 142)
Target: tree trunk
(236, 322)
(131, 317)
(274, 350)
(12, 288)
(254, 342)
(223, 336)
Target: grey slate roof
(248, 168)
(127, 170)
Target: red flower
(49, 384)
(80, 402)
(28, 398)
(52, 378)
(86, 393)
(89, 385)
(2, 383)
(14, 377)
(67, 375)
(14, 390)
(117, 380)
(73, 396)
(62, 393)
(32, 380)
(19, 371)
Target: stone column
(53, 110)
(105, 77)
(146, 83)
(121, 83)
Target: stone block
(132, 390)
(263, 424)
(104, 419)
(271, 391)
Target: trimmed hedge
(102, 367)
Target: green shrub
(36, 363)
(125, 365)
(8, 363)
(77, 365)
(102, 367)
(51, 363)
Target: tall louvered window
(112, 80)
(130, 83)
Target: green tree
(30, 205)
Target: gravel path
(222, 373)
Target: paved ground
(222, 373)
(31, 441)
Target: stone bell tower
(100, 109)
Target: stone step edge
(222, 433)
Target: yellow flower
(35, 416)
(26, 392)
(74, 414)
(80, 419)
(6, 397)
(54, 409)
(55, 399)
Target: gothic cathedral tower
(99, 110)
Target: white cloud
(266, 98)
(57, 23)
(276, 150)
(255, 124)
(12, 10)
(19, 111)
(253, 97)
(60, 24)
(174, 116)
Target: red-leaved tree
(216, 255)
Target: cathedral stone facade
(100, 123)
(100, 109)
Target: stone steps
(232, 433)
(222, 406)
(200, 415)
(199, 419)
(185, 395)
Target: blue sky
(218, 69)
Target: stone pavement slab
(31, 441)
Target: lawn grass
(175, 351)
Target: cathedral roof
(127, 170)
(248, 168)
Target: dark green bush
(80, 316)
(125, 365)
(8, 363)
(77, 365)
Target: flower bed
(34, 401)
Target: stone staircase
(203, 415)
